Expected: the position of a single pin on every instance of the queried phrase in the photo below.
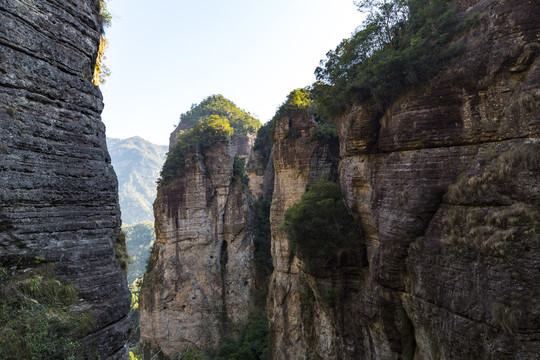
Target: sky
(165, 55)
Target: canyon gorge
(442, 182)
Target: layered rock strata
(200, 279)
(58, 191)
(294, 313)
(445, 185)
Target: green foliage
(35, 319)
(319, 224)
(239, 170)
(139, 239)
(201, 136)
(133, 356)
(192, 353)
(135, 335)
(253, 343)
(401, 43)
(240, 121)
(325, 132)
(105, 17)
(101, 71)
(121, 251)
(297, 100)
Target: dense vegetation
(319, 224)
(299, 99)
(401, 43)
(214, 120)
(192, 142)
(35, 317)
(239, 170)
(252, 344)
(240, 121)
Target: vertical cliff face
(58, 191)
(300, 323)
(445, 186)
(200, 279)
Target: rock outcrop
(200, 279)
(299, 161)
(58, 191)
(445, 186)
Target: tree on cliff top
(241, 121)
(201, 136)
(400, 44)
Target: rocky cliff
(200, 280)
(443, 184)
(58, 191)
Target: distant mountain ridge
(137, 163)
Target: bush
(253, 343)
(319, 224)
(325, 132)
(265, 141)
(297, 100)
(239, 170)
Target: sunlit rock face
(58, 191)
(200, 280)
(445, 186)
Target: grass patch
(35, 317)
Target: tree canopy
(241, 121)
(401, 43)
(201, 136)
(320, 224)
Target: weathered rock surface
(446, 193)
(299, 161)
(201, 278)
(58, 191)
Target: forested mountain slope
(137, 163)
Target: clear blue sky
(165, 55)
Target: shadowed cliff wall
(58, 191)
